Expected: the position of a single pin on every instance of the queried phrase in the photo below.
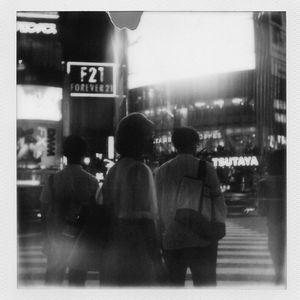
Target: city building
(228, 83)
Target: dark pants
(62, 254)
(56, 270)
(201, 261)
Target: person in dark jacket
(273, 190)
(68, 195)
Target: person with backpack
(66, 201)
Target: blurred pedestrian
(182, 247)
(273, 189)
(132, 253)
(66, 200)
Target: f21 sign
(88, 79)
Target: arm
(145, 200)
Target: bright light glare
(28, 182)
(38, 15)
(176, 45)
(219, 102)
(87, 161)
(200, 104)
(237, 101)
(111, 152)
(36, 102)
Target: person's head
(74, 148)
(134, 136)
(277, 162)
(185, 140)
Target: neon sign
(32, 27)
(235, 161)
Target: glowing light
(99, 176)
(39, 102)
(109, 163)
(38, 15)
(99, 155)
(28, 182)
(87, 161)
(111, 151)
(237, 101)
(219, 102)
(200, 104)
(183, 110)
(176, 45)
(32, 27)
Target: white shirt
(129, 187)
(168, 178)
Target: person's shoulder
(167, 164)
(140, 167)
(208, 164)
(90, 176)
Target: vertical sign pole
(66, 105)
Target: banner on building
(38, 144)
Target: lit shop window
(35, 102)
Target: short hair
(184, 138)
(74, 148)
(132, 135)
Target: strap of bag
(213, 211)
(201, 174)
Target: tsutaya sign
(236, 161)
(91, 79)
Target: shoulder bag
(190, 199)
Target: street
(243, 257)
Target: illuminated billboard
(175, 45)
(91, 79)
(38, 143)
(35, 102)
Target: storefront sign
(210, 134)
(91, 79)
(235, 161)
(32, 27)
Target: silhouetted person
(273, 189)
(182, 247)
(132, 252)
(69, 195)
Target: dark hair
(133, 135)
(185, 138)
(74, 148)
(277, 162)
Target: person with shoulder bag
(66, 200)
(192, 212)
